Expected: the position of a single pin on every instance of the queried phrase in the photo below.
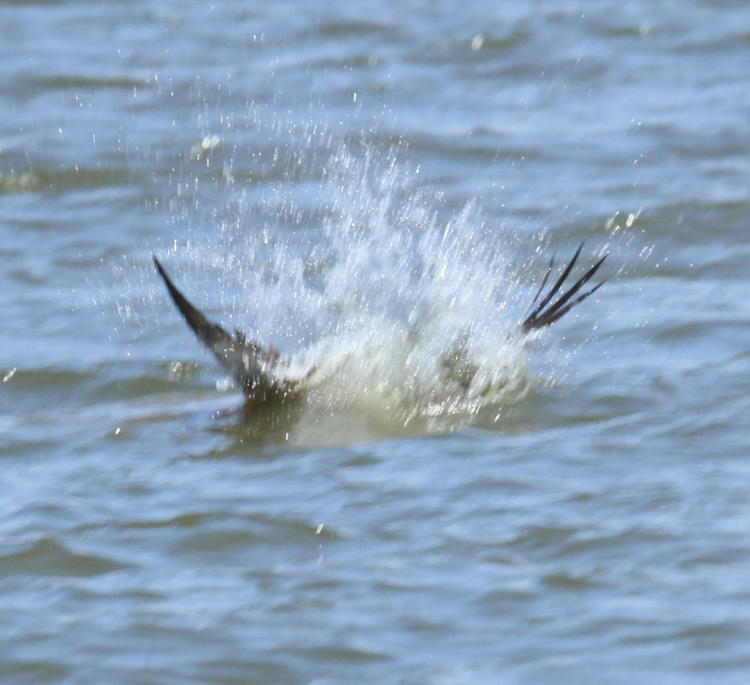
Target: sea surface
(375, 189)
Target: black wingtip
(178, 298)
(208, 332)
(545, 313)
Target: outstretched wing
(545, 313)
(251, 365)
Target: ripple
(233, 671)
(563, 580)
(541, 537)
(88, 82)
(47, 557)
(34, 671)
(20, 182)
(342, 653)
(222, 532)
(339, 29)
(48, 379)
(63, 180)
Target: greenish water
(368, 187)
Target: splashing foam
(401, 319)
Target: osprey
(259, 370)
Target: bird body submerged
(262, 374)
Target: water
(371, 187)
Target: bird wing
(251, 365)
(545, 313)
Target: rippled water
(370, 188)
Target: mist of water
(400, 314)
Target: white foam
(411, 312)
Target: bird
(260, 371)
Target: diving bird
(260, 371)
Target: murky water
(375, 189)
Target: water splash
(400, 314)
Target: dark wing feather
(250, 364)
(541, 287)
(545, 313)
